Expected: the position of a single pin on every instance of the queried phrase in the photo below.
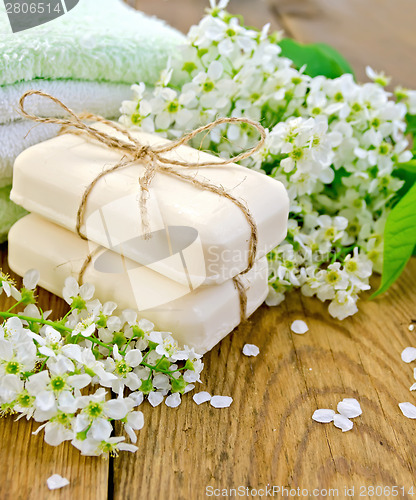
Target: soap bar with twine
(199, 318)
(197, 236)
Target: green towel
(100, 40)
(9, 213)
(97, 41)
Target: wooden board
(379, 33)
(267, 435)
(182, 14)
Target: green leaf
(411, 124)
(320, 59)
(407, 173)
(399, 239)
(336, 56)
(409, 166)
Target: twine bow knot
(154, 160)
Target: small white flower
(10, 387)
(342, 423)
(167, 346)
(96, 414)
(299, 327)
(86, 327)
(323, 415)
(251, 350)
(379, 78)
(221, 401)
(55, 432)
(111, 446)
(133, 422)
(15, 359)
(56, 481)
(343, 305)
(73, 290)
(8, 286)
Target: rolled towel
(10, 212)
(79, 95)
(98, 40)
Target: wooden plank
(379, 33)
(267, 435)
(26, 461)
(182, 14)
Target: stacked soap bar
(199, 240)
(198, 318)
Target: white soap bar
(198, 318)
(198, 236)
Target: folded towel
(101, 40)
(17, 136)
(79, 95)
(100, 98)
(9, 212)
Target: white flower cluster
(48, 368)
(332, 142)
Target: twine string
(154, 162)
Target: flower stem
(68, 313)
(123, 352)
(15, 305)
(95, 341)
(155, 368)
(35, 320)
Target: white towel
(15, 137)
(79, 95)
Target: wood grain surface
(379, 33)
(267, 436)
(182, 14)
